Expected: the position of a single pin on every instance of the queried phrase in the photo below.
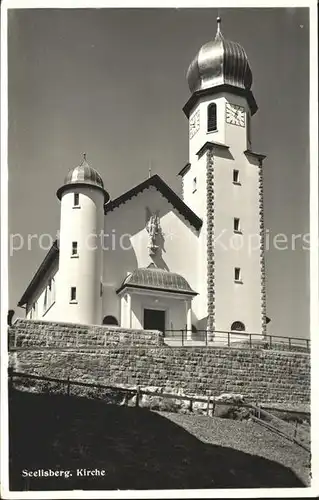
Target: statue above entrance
(153, 228)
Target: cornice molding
(184, 169)
(210, 146)
(259, 156)
(218, 90)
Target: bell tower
(223, 184)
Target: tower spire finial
(84, 156)
(219, 21)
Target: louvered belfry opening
(211, 117)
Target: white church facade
(150, 259)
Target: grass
(248, 437)
(143, 449)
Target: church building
(150, 259)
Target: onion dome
(83, 175)
(157, 279)
(219, 62)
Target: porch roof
(154, 278)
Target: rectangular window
(49, 295)
(236, 176)
(73, 293)
(194, 184)
(236, 225)
(74, 248)
(76, 199)
(237, 274)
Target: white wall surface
(178, 252)
(235, 301)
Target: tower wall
(81, 224)
(218, 200)
(237, 300)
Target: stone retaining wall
(126, 357)
(33, 333)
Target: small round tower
(79, 298)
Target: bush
(170, 405)
(232, 412)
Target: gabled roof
(166, 191)
(48, 260)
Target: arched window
(110, 320)
(211, 117)
(238, 326)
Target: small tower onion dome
(219, 62)
(83, 175)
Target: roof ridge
(156, 181)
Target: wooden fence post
(213, 410)
(138, 390)
(10, 371)
(208, 403)
(68, 387)
(190, 405)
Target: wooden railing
(293, 433)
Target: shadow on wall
(138, 449)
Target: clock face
(194, 124)
(235, 114)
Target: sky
(112, 83)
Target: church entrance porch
(154, 310)
(156, 299)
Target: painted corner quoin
(210, 213)
(262, 249)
